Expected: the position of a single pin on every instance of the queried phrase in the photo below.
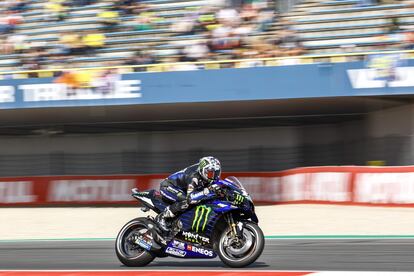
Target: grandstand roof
(161, 117)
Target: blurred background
(96, 87)
(306, 101)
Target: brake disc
(248, 242)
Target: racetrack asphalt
(279, 254)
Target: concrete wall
(249, 149)
(154, 141)
(391, 131)
(383, 135)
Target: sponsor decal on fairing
(201, 216)
(199, 250)
(175, 252)
(193, 237)
(178, 244)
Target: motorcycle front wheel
(129, 253)
(235, 252)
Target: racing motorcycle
(225, 225)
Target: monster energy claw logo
(239, 199)
(203, 163)
(201, 216)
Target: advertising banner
(376, 186)
(381, 76)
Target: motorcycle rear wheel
(127, 252)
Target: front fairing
(246, 210)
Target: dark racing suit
(184, 188)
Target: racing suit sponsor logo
(175, 252)
(178, 244)
(195, 197)
(195, 237)
(202, 251)
(200, 219)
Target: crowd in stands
(227, 29)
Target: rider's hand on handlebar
(214, 188)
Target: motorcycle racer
(188, 186)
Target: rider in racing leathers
(188, 186)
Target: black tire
(254, 252)
(142, 257)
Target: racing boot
(161, 219)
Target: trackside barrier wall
(383, 186)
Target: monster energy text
(192, 237)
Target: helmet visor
(212, 174)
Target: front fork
(236, 228)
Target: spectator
(290, 43)
(195, 52)
(18, 6)
(70, 43)
(265, 19)
(228, 17)
(93, 40)
(394, 24)
(106, 82)
(5, 46)
(8, 22)
(208, 22)
(55, 10)
(223, 38)
(70, 80)
(127, 7)
(248, 13)
(18, 43)
(140, 58)
(32, 59)
(109, 18)
(144, 21)
(184, 27)
(409, 40)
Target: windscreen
(237, 183)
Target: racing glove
(214, 188)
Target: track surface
(300, 254)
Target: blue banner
(260, 83)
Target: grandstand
(280, 122)
(319, 27)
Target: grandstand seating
(325, 27)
